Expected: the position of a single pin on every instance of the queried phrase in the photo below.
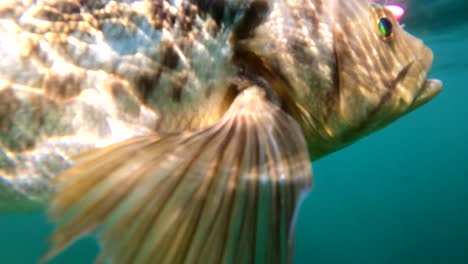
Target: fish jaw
(412, 89)
(412, 86)
(429, 87)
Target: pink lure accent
(397, 11)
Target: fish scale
(107, 70)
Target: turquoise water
(398, 196)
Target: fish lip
(429, 89)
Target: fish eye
(385, 28)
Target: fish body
(185, 129)
(76, 76)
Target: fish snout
(430, 87)
(415, 88)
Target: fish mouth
(429, 89)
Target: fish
(183, 131)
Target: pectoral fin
(223, 194)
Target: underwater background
(397, 196)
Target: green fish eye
(385, 28)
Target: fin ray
(223, 194)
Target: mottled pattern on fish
(81, 74)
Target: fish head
(368, 73)
(342, 69)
